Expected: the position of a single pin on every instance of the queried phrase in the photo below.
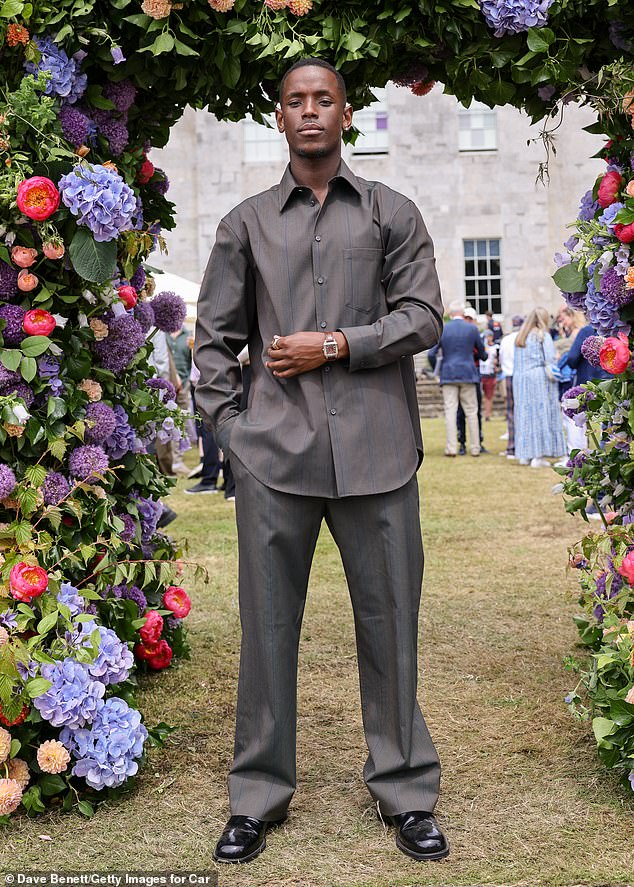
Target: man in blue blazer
(459, 375)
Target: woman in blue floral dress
(538, 425)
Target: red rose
(627, 567)
(27, 581)
(128, 296)
(37, 198)
(146, 172)
(142, 651)
(153, 628)
(609, 188)
(162, 656)
(615, 354)
(177, 600)
(625, 233)
(38, 322)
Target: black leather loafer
(419, 836)
(243, 838)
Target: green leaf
(28, 368)
(11, 8)
(86, 809)
(184, 49)
(353, 41)
(35, 474)
(33, 346)
(48, 622)
(11, 358)
(37, 686)
(51, 784)
(570, 279)
(539, 39)
(93, 261)
(602, 727)
(16, 745)
(163, 43)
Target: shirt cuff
(361, 346)
(223, 433)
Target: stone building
(472, 173)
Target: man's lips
(310, 127)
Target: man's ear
(279, 119)
(347, 117)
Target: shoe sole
(200, 492)
(422, 857)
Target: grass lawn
(524, 799)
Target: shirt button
(327, 368)
(318, 238)
(312, 202)
(323, 324)
(320, 280)
(333, 412)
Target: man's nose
(310, 109)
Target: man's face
(313, 113)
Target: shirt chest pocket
(363, 269)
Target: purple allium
(73, 698)
(161, 185)
(169, 311)
(101, 422)
(55, 488)
(123, 439)
(124, 339)
(65, 81)
(13, 332)
(8, 481)
(21, 389)
(77, 127)
(88, 461)
(134, 593)
(138, 279)
(162, 385)
(590, 348)
(144, 315)
(106, 753)
(129, 527)
(601, 593)
(603, 316)
(117, 55)
(8, 282)
(114, 130)
(70, 596)
(587, 208)
(100, 199)
(113, 662)
(122, 94)
(515, 16)
(614, 289)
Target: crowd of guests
(537, 361)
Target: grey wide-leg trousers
(380, 544)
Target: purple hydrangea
(169, 311)
(590, 348)
(114, 660)
(608, 216)
(587, 208)
(124, 339)
(65, 80)
(603, 316)
(55, 488)
(114, 130)
(13, 332)
(614, 289)
(601, 593)
(70, 596)
(100, 199)
(129, 527)
(101, 422)
(144, 315)
(73, 699)
(164, 387)
(576, 300)
(622, 256)
(149, 514)
(77, 127)
(8, 282)
(88, 461)
(122, 94)
(8, 481)
(138, 281)
(123, 438)
(577, 461)
(106, 753)
(515, 16)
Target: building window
(372, 123)
(263, 144)
(477, 128)
(483, 280)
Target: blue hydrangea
(603, 316)
(65, 81)
(608, 215)
(100, 199)
(107, 753)
(71, 597)
(587, 208)
(74, 697)
(515, 16)
(114, 661)
(123, 439)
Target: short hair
(309, 61)
(456, 308)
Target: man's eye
(326, 102)
(293, 104)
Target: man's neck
(315, 172)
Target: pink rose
(624, 233)
(38, 322)
(609, 188)
(177, 600)
(630, 188)
(27, 281)
(53, 250)
(128, 296)
(153, 628)
(23, 256)
(627, 567)
(27, 581)
(37, 198)
(615, 354)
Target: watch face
(331, 349)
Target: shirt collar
(288, 185)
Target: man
(507, 358)
(471, 317)
(182, 357)
(459, 375)
(331, 281)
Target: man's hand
(300, 353)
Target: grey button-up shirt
(363, 264)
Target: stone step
(430, 403)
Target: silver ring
(275, 341)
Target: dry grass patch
(524, 799)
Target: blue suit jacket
(460, 344)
